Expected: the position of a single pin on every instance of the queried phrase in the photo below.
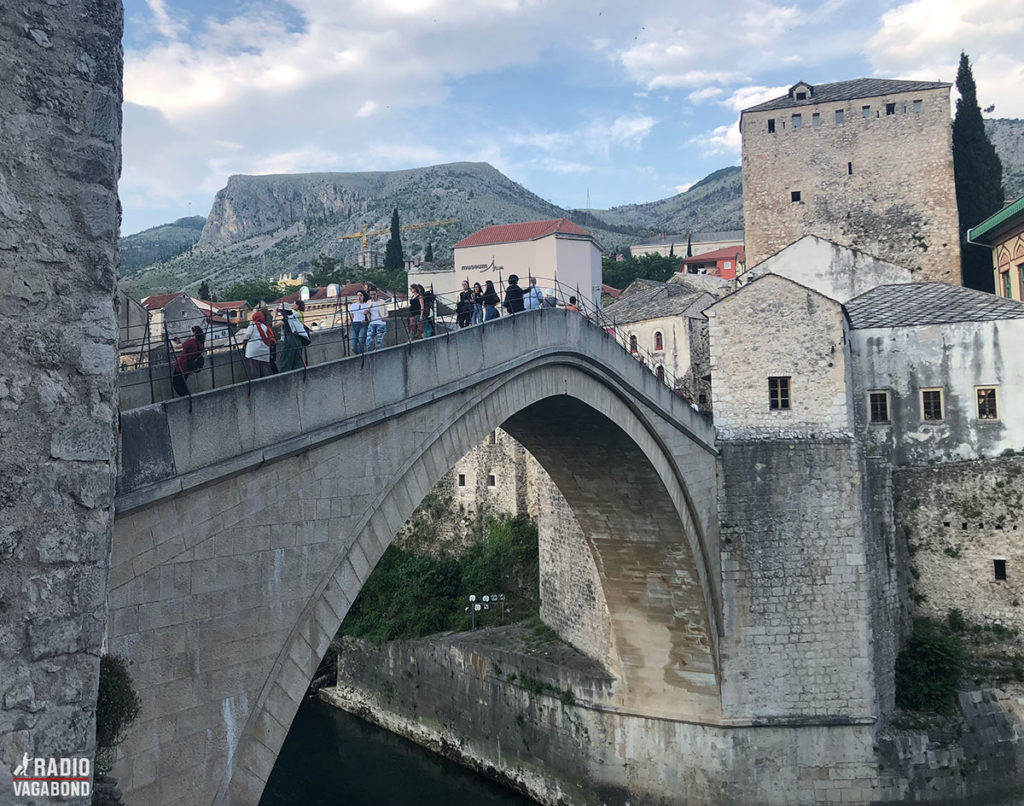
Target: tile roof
(524, 231)
(913, 304)
(725, 253)
(157, 301)
(238, 303)
(611, 292)
(649, 299)
(848, 90)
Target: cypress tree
(204, 290)
(689, 245)
(978, 175)
(393, 256)
(429, 257)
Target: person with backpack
(258, 341)
(513, 295)
(292, 342)
(189, 360)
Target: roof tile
(913, 304)
(524, 231)
(848, 90)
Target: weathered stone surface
(61, 64)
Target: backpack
(196, 362)
(299, 330)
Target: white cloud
(367, 109)
(684, 188)
(922, 40)
(631, 131)
(722, 140)
(746, 97)
(699, 96)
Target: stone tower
(866, 163)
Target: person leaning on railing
(259, 338)
(186, 363)
(378, 315)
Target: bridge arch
(621, 448)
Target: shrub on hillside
(929, 668)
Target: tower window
(839, 116)
(815, 119)
(987, 404)
(462, 479)
(878, 405)
(491, 481)
(931, 404)
(890, 109)
(999, 569)
(771, 125)
(659, 340)
(865, 111)
(801, 96)
(797, 121)
(849, 169)
(918, 106)
(794, 195)
(778, 393)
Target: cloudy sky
(633, 101)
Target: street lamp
(484, 603)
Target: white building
(557, 252)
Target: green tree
(429, 256)
(978, 174)
(117, 706)
(689, 245)
(204, 290)
(253, 291)
(394, 259)
(652, 266)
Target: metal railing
(148, 370)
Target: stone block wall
(59, 213)
(882, 184)
(959, 518)
(775, 327)
(797, 582)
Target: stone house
(866, 163)
(726, 262)
(1004, 233)
(662, 325)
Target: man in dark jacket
(513, 295)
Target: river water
(332, 757)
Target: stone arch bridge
(245, 529)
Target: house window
(917, 107)
(931, 404)
(797, 121)
(815, 119)
(794, 195)
(728, 265)
(999, 569)
(778, 393)
(890, 109)
(1020, 280)
(988, 407)
(462, 479)
(771, 125)
(801, 96)
(660, 372)
(1007, 285)
(632, 344)
(839, 116)
(865, 111)
(659, 341)
(491, 480)
(849, 169)
(878, 405)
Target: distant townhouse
(866, 163)
(700, 243)
(726, 262)
(556, 251)
(1003, 232)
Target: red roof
(611, 292)
(725, 253)
(157, 301)
(525, 231)
(240, 303)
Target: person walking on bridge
(259, 338)
(358, 321)
(490, 301)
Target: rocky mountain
(1008, 138)
(261, 226)
(159, 243)
(713, 204)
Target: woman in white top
(378, 315)
(358, 317)
(259, 339)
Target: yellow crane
(422, 225)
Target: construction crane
(422, 225)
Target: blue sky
(633, 101)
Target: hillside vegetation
(159, 243)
